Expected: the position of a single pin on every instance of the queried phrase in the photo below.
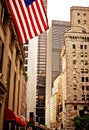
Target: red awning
(23, 122)
(10, 116)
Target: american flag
(29, 17)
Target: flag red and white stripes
(30, 21)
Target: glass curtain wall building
(41, 76)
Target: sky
(60, 9)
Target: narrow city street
(44, 65)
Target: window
(74, 46)
(86, 79)
(87, 96)
(26, 61)
(81, 46)
(74, 54)
(86, 62)
(82, 79)
(84, 14)
(85, 54)
(26, 55)
(25, 68)
(74, 78)
(85, 46)
(83, 97)
(78, 13)
(86, 71)
(75, 97)
(85, 108)
(85, 21)
(83, 87)
(81, 54)
(74, 61)
(75, 87)
(75, 107)
(78, 21)
(25, 48)
(74, 70)
(60, 108)
(62, 126)
(26, 43)
(82, 62)
(87, 87)
(81, 113)
(1, 54)
(82, 70)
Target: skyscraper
(30, 68)
(41, 76)
(55, 41)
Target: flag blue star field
(29, 17)
(28, 2)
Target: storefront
(12, 121)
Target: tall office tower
(41, 76)
(26, 49)
(55, 41)
(31, 68)
(76, 67)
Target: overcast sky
(60, 9)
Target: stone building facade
(11, 73)
(75, 67)
(56, 104)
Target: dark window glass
(79, 21)
(81, 46)
(74, 61)
(84, 14)
(82, 87)
(86, 71)
(87, 87)
(75, 87)
(86, 79)
(74, 46)
(82, 79)
(81, 112)
(82, 70)
(86, 62)
(78, 13)
(87, 96)
(83, 97)
(75, 107)
(25, 68)
(85, 46)
(85, 108)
